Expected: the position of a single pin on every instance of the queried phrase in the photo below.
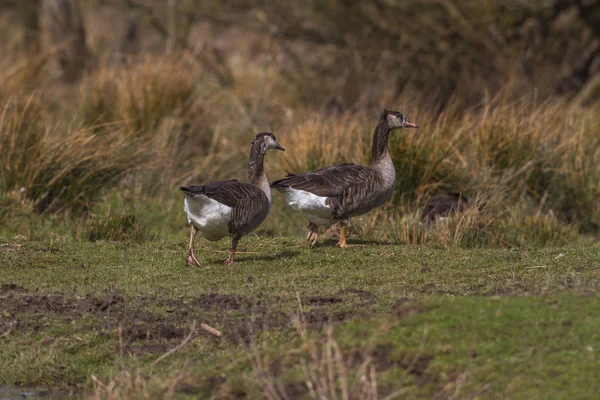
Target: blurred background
(108, 106)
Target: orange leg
(342, 242)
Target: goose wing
(328, 181)
(230, 192)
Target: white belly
(208, 215)
(312, 206)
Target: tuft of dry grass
(139, 95)
(60, 169)
(326, 372)
(117, 226)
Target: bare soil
(153, 325)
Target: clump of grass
(538, 230)
(421, 158)
(72, 174)
(117, 226)
(319, 142)
(21, 134)
(325, 373)
(60, 169)
(139, 95)
(487, 222)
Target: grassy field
(108, 107)
(408, 321)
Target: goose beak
(409, 124)
(279, 147)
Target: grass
(497, 301)
(443, 322)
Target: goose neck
(380, 148)
(256, 170)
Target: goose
(444, 206)
(337, 193)
(231, 208)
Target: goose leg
(313, 234)
(234, 243)
(342, 242)
(192, 261)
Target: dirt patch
(11, 287)
(322, 300)
(104, 304)
(108, 308)
(340, 296)
(143, 331)
(7, 247)
(404, 308)
(385, 359)
(15, 302)
(214, 301)
(360, 293)
(156, 331)
(317, 319)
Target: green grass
(466, 322)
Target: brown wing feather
(244, 213)
(328, 181)
(356, 196)
(229, 192)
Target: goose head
(266, 141)
(397, 120)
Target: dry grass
(60, 168)
(145, 126)
(326, 372)
(140, 95)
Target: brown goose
(231, 208)
(337, 193)
(444, 206)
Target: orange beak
(409, 124)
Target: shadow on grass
(352, 242)
(268, 257)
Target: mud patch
(384, 358)
(318, 319)
(360, 293)
(11, 287)
(340, 297)
(323, 300)
(14, 301)
(104, 304)
(156, 331)
(404, 308)
(217, 301)
(156, 324)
